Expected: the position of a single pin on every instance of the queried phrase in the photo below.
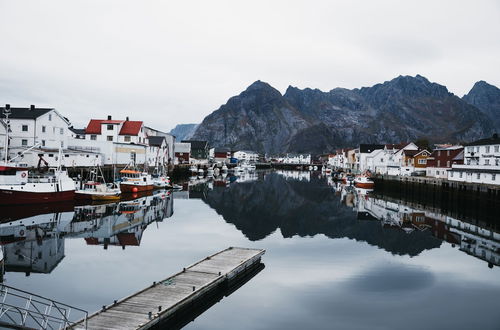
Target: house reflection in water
(36, 243)
(477, 241)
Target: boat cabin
(10, 175)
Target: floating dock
(155, 305)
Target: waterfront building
(120, 142)
(182, 152)
(220, 155)
(169, 142)
(414, 160)
(481, 163)
(441, 160)
(157, 152)
(297, 159)
(199, 151)
(246, 156)
(366, 154)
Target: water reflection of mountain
(305, 208)
(36, 243)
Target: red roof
(131, 127)
(128, 127)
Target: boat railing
(22, 309)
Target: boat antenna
(7, 112)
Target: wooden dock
(156, 304)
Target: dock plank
(172, 293)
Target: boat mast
(6, 112)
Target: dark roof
(221, 150)
(491, 140)
(156, 140)
(79, 131)
(365, 148)
(195, 144)
(25, 113)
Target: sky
(172, 62)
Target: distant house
(414, 160)
(199, 149)
(246, 156)
(441, 160)
(220, 155)
(481, 162)
(365, 155)
(182, 152)
(169, 142)
(297, 159)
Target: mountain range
(184, 131)
(308, 120)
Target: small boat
(224, 168)
(177, 187)
(97, 191)
(362, 181)
(134, 181)
(200, 172)
(193, 169)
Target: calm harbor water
(337, 258)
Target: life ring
(23, 175)
(21, 232)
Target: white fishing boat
(363, 181)
(18, 186)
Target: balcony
(476, 167)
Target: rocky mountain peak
(486, 98)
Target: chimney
(109, 117)
(127, 118)
(32, 107)
(7, 107)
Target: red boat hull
(365, 185)
(128, 188)
(10, 197)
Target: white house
(169, 142)
(119, 141)
(297, 159)
(246, 156)
(157, 151)
(43, 126)
(481, 163)
(366, 153)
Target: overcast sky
(171, 62)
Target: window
(439, 163)
(422, 161)
(439, 153)
(470, 149)
(493, 177)
(110, 127)
(109, 138)
(496, 148)
(486, 162)
(25, 128)
(61, 131)
(50, 117)
(24, 142)
(460, 175)
(43, 143)
(487, 149)
(477, 149)
(448, 163)
(51, 155)
(67, 156)
(44, 129)
(451, 174)
(127, 138)
(479, 176)
(62, 144)
(93, 137)
(447, 152)
(497, 162)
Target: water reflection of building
(295, 175)
(36, 243)
(472, 239)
